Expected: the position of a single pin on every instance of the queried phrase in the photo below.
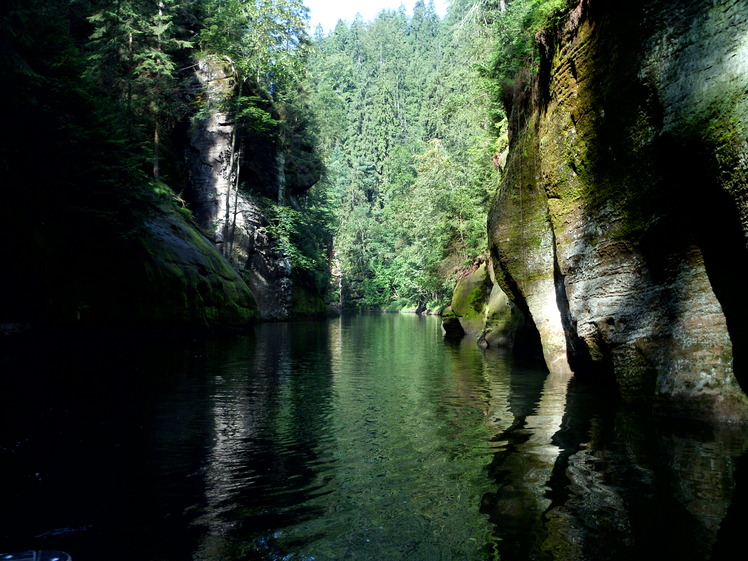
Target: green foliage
(266, 39)
(403, 124)
(95, 90)
(253, 114)
(131, 59)
(75, 179)
(405, 112)
(515, 30)
(284, 226)
(302, 236)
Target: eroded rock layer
(621, 222)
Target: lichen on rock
(623, 206)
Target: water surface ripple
(359, 438)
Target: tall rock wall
(622, 219)
(224, 208)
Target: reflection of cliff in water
(525, 459)
(257, 400)
(606, 483)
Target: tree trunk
(156, 170)
(235, 185)
(228, 233)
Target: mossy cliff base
(622, 218)
(157, 272)
(480, 309)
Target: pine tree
(131, 55)
(412, 126)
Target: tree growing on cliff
(266, 40)
(131, 54)
(265, 44)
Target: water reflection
(591, 480)
(362, 438)
(268, 407)
(526, 458)
(400, 476)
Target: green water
(379, 435)
(359, 438)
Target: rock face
(186, 281)
(227, 209)
(158, 273)
(623, 211)
(481, 309)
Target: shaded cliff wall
(227, 210)
(623, 213)
(186, 281)
(87, 238)
(95, 272)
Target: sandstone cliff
(622, 221)
(230, 170)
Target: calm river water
(359, 438)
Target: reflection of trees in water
(258, 400)
(622, 484)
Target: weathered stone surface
(502, 320)
(226, 205)
(523, 249)
(624, 205)
(228, 214)
(471, 293)
(187, 282)
(480, 308)
(210, 148)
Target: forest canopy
(404, 127)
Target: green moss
(306, 303)
(471, 294)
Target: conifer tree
(131, 54)
(411, 126)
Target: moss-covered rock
(503, 320)
(623, 207)
(481, 308)
(471, 293)
(159, 273)
(187, 281)
(466, 313)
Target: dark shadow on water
(624, 484)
